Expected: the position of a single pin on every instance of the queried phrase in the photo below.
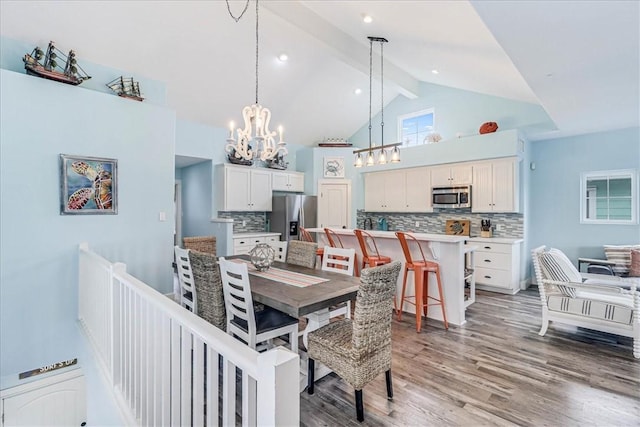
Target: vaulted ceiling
(579, 60)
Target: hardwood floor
(495, 370)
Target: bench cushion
(618, 309)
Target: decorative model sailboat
(49, 68)
(126, 88)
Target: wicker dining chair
(205, 244)
(305, 236)
(302, 253)
(208, 284)
(359, 350)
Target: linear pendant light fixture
(395, 153)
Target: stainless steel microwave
(451, 197)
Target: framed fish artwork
(89, 185)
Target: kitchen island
(448, 251)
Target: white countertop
(254, 234)
(391, 235)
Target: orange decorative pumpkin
(488, 127)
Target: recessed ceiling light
(367, 19)
(283, 57)
(358, 91)
(434, 71)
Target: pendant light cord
(370, 87)
(382, 94)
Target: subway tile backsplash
(512, 224)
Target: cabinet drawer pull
(487, 260)
(487, 247)
(487, 277)
(242, 242)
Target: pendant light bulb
(358, 162)
(371, 159)
(395, 155)
(382, 157)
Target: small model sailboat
(126, 88)
(49, 68)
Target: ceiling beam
(345, 47)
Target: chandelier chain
(370, 87)
(256, 51)
(241, 14)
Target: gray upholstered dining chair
(359, 350)
(242, 320)
(208, 284)
(302, 253)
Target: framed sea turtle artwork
(89, 185)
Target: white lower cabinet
(242, 244)
(497, 264)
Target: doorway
(177, 205)
(334, 203)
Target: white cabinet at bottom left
(55, 400)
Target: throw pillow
(621, 255)
(634, 269)
(557, 267)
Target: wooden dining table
(300, 301)
(311, 301)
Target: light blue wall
(12, 51)
(39, 264)
(554, 211)
(456, 111)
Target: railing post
(278, 388)
(115, 319)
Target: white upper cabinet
(495, 186)
(243, 189)
(448, 175)
(418, 197)
(400, 190)
(374, 192)
(288, 181)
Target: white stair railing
(168, 366)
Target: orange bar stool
(370, 254)
(335, 242)
(305, 236)
(421, 270)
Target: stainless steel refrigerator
(290, 212)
